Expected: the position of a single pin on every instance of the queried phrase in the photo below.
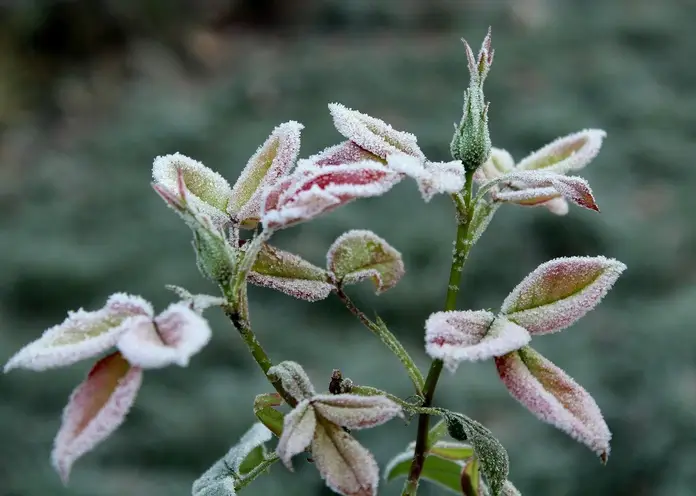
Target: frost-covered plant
(232, 228)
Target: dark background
(92, 91)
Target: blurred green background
(92, 91)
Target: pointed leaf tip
(559, 292)
(359, 254)
(555, 398)
(571, 152)
(298, 431)
(95, 410)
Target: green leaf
(253, 460)
(470, 478)
(444, 473)
(492, 455)
(483, 214)
(267, 415)
(452, 450)
(436, 433)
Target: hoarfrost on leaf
(537, 188)
(95, 410)
(571, 152)
(346, 152)
(561, 291)
(498, 164)
(555, 398)
(359, 254)
(356, 412)
(298, 431)
(293, 378)
(432, 177)
(197, 302)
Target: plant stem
(461, 253)
(385, 335)
(256, 471)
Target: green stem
(372, 391)
(255, 472)
(385, 335)
(461, 253)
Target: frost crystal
(343, 153)
(95, 410)
(293, 378)
(82, 335)
(298, 431)
(571, 152)
(309, 194)
(372, 134)
(355, 412)
(272, 161)
(359, 254)
(457, 336)
(554, 397)
(432, 177)
(559, 292)
(535, 188)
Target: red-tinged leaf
(577, 190)
(272, 161)
(571, 152)
(432, 177)
(372, 134)
(343, 153)
(555, 398)
(359, 254)
(289, 273)
(528, 197)
(345, 465)
(536, 188)
(457, 336)
(561, 291)
(298, 431)
(82, 334)
(96, 409)
(356, 412)
(175, 335)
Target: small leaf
(293, 378)
(219, 479)
(493, 457)
(452, 450)
(570, 152)
(310, 193)
(498, 164)
(432, 177)
(436, 433)
(555, 398)
(483, 214)
(343, 153)
(537, 188)
(561, 291)
(289, 273)
(345, 465)
(175, 335)
(95, 410)
(457, 336)
(471, 479)
(196, 302)
(372, 134)
(357, 255)
(356, 412)
(444, 473)
(82, 334)
(298, 431)
(267, 415)
(272, 161)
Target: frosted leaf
(499, 163)
(432, 177)
(372, 134)
(343, 153)
(81, 335)
(509, 490)
(356, 412)
(272, 161)
(207, 191)
(534, 187)
(176, 334)
(219, 479)
(289, 273)
(95, 410)
(196, 302)
(293, 378)
(359, 254)
(559, 292)
(322, 190)
(571, 152)
(483, 214)
(557, 206)
(266, 413)
(451, 450)
(344, 464)
(457, 336)
(298, 431)
(528, 196)
(555, 398)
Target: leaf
(435, 433)
(493, 457)
(95, 410)
(272, 161)
(289, 273)
(442, 472)
(267, 415)
(555, 398)
(356, 412)
(571, 152)
(537, 188)
(483, 214)
(219, 479)
(456, 336)
(452, 450)
(207, 191)
(499, 163)
(372, 134)
(471, 479)
(310, 193)
(174, 337)
(82, 334)
(293, 378)
(358, 254)
(559, 292)
(345, 465)
(196, 302)
(432, 177)
(298, 431)
(346, 152)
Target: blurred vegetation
(92, 91)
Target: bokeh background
(92, 91)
